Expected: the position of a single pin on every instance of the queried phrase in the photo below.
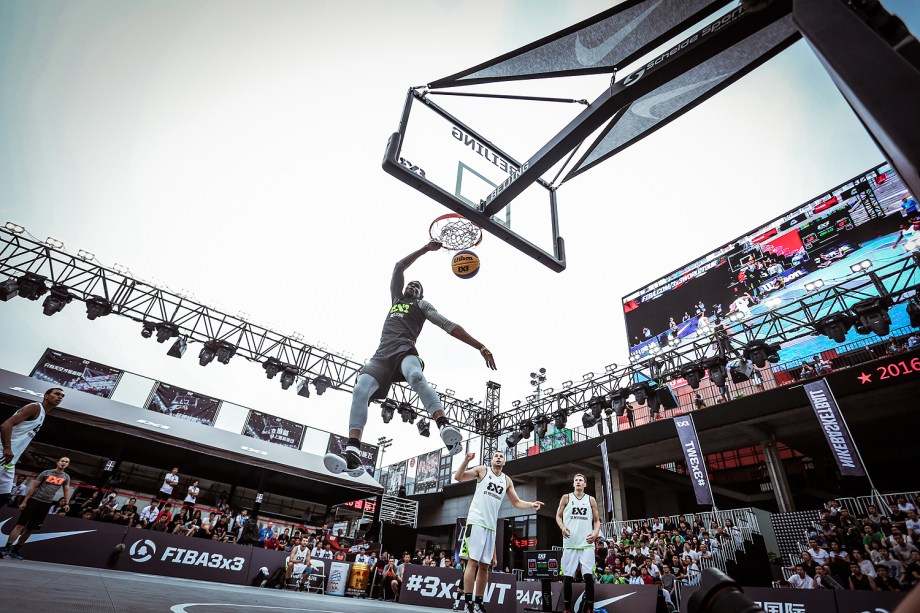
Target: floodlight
(693, 373)
(56, 300)
(641, 391)
(873, 315)
(406, 412)
(178, 348)
(97, 306)
(618, 403)
(424, 427)
(387, 410)
(121, 269)
(834, 326)
(225, 351)
(717, 370)
(861, 266)
(15, 228)
(773, 302)
(540, 425)
(9, 289)
(287, 376)
(559, 419)
(148, 329)
(566, 384)
(207, 353)
(813, 285)
(588, 419)
(515, 403)
(513, 439)
(913, 311)
(85, 255)
(597, 405)
(322, 383)
(587, 376)
(272, 367)
(32, 286)
(760, 352)
(303, 387)
(166, 331)
(526, 427)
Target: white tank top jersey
(579, 519)
(488, 497)
(300, 554)
(24, 432)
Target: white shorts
(7, 476)
(573, 558)
(478, 544)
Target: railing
(400, 511)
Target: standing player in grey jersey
(580, 523)
(36, 506)
(18, 431)
(396, 359)
(492, 485)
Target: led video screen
(870, 217)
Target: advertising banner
(433, 586)
(183, 404)
(396, 477)
(556, 438)
(65, 370)
(774, 600)
(426, 473)
(693, 455)
(273, 429)
(834, 428)
(368, 453)
(611, 598)
(607, 485)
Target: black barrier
(432, 586)
(612, 598)
(791, 600)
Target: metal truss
(86, 280)
(490, 419)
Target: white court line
(181, 608)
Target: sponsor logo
(433, 587)
(142, 550)
(590, 56)
(27, 391)
(152, 424)
(259, 451)
(495, 488)
(40, 537)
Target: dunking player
(18, 431)
(479, 537)
(579, 521)
(396, 360)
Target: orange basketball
(465, 264)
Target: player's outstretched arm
(464, 336)
(465, 474)
(409, 260)
(516, 502)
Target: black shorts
(33, 516)
(386, 370)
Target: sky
(232, 149)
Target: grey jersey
(50, 482)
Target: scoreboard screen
(543, 564)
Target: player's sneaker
(15, 554)
(459, 605)
(451, 436)
(478, 607)
(348, 462)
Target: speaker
(666, 397)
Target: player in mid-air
(580, 523)
(492, 485)
(397, 359)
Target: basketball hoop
(455, 232)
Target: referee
(35, 506)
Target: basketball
(465, 264)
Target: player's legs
(412, 371)
(349, 460)
(479, 545)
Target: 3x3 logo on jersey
(583, 511)
(495, 488)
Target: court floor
(60, 588)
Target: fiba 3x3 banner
(834, 428)
(696, 461)
(65, 370)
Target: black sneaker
(348, 462)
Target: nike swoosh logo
(590, 56)
(602, 603)
(38, 537)
(643, 107)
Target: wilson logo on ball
(465, 264)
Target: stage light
(86, 255)
(32, 286)
(121, 269)
(56, 300)
(178, 348)
(760, 352)
(513, 439)
(15, 228)
(618, 403)
(566, 385)
(166, 332)
(515, 403)
(610, 367)
(207, 353)
(526, 428)
(148, 329)
(813, 285)
(540, 425)
(387, 410)
(548, 391)
(424, 428)
(834, 326)
(322, 383)
(588, 420)
(913, 311)
(225, 351)
(531, 398)
(873, 315)
(9, 289)
(97, 306)
(407, 413)
(740, 370)
(597, 404)
(272, 367)
(693, 373)
(653, 402)
(559, 419)
(861, 266)
(54, 243)
(303, 387)
(287, 377)
(641, 391)
(717, 371)
(587, 376)
(773, 302)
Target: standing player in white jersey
(580, 523)
(18, 431)
(492, 485)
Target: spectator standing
(191, 495)
(18, 492)
(170, 481)
(35, 506)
